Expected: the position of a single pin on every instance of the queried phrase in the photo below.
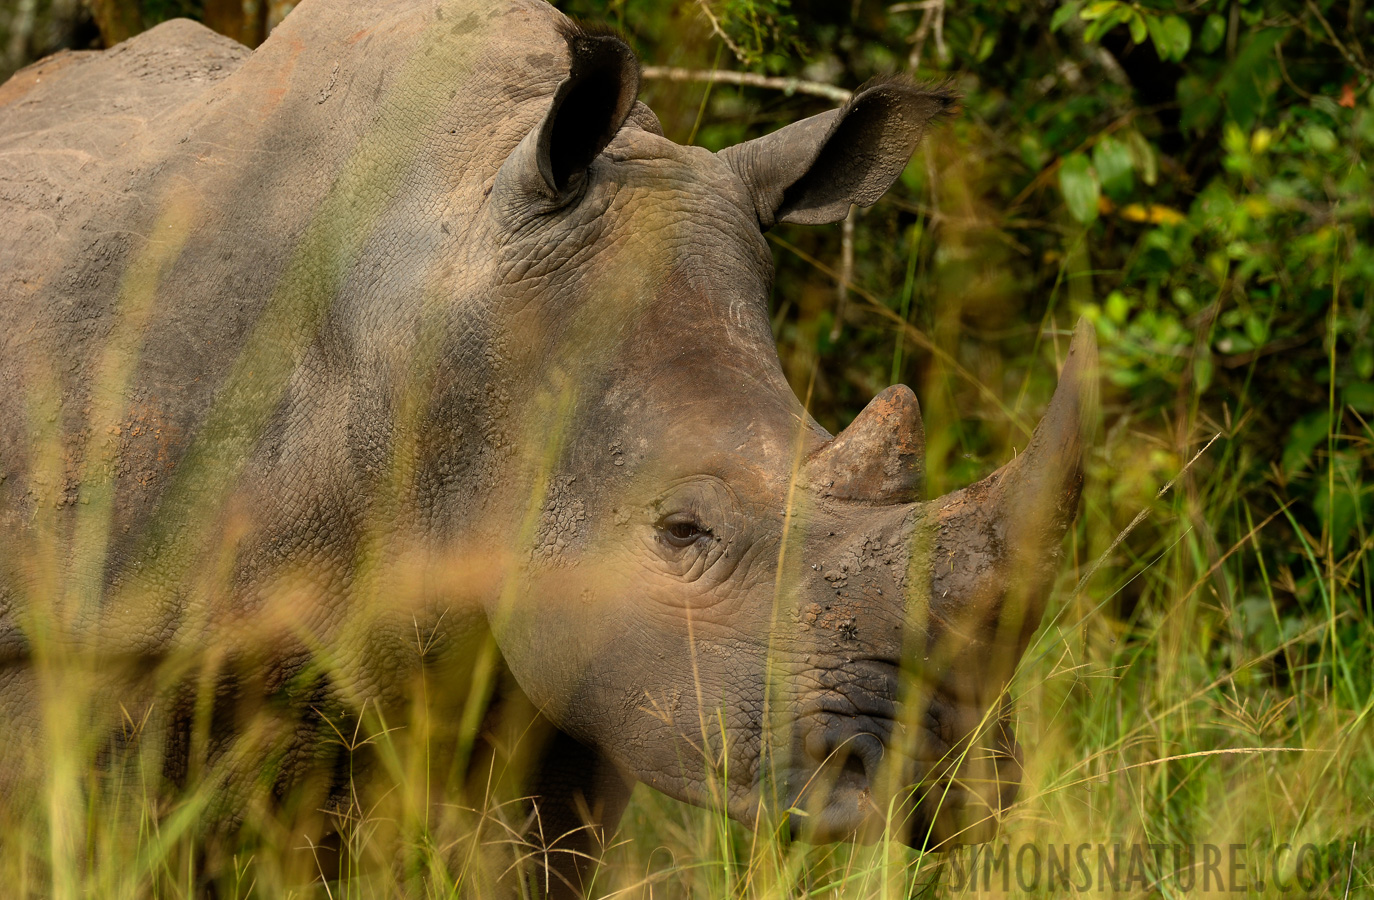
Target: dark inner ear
(588, 108)
(810, 172)
(582, 125)
(865, 153)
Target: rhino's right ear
(588, 108)
(811, 171)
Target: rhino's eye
(683, 532)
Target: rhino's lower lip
(946, 818)
(837, 802)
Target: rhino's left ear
(587, 109)
(811, 171)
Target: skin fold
(413, 323)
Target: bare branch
(918, 40)
(1349, 57)
(748, 79)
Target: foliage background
(1193, 178)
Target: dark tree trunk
(118, 20)
(243, 20)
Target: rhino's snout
(846, 729)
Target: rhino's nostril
(843, 742)
(868, 748)
(816, 746)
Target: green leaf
(1213, 33)
(1362, 358)
(986, 46)
(1180, 36)
(1360, 396)
(1137, 24)
(1171, 37)
(1117, 307)
(1245, 84)
(1202, 369)
(1336, 511)
(1143, 157)
(1079, 186)
(1093, 33)
(1032, 151)
(1199, 103)
(1319, 138)
(1112, 160)
(1099, 9)
(1304, 437)
(1063, 14)
(1157, 35)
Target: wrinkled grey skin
(412, 322)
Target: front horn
(998, 544)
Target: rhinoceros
(408, 338)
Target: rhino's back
(70, 124)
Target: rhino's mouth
(866, 780)
(838, 802)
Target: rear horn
(879, 458)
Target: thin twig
(941, 50)
(846, 272)
(1357, 63)
(749, 79)
(918, 39)
(1283, 70)
(720, 32)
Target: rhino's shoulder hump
(75, 98)
(69, 121)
